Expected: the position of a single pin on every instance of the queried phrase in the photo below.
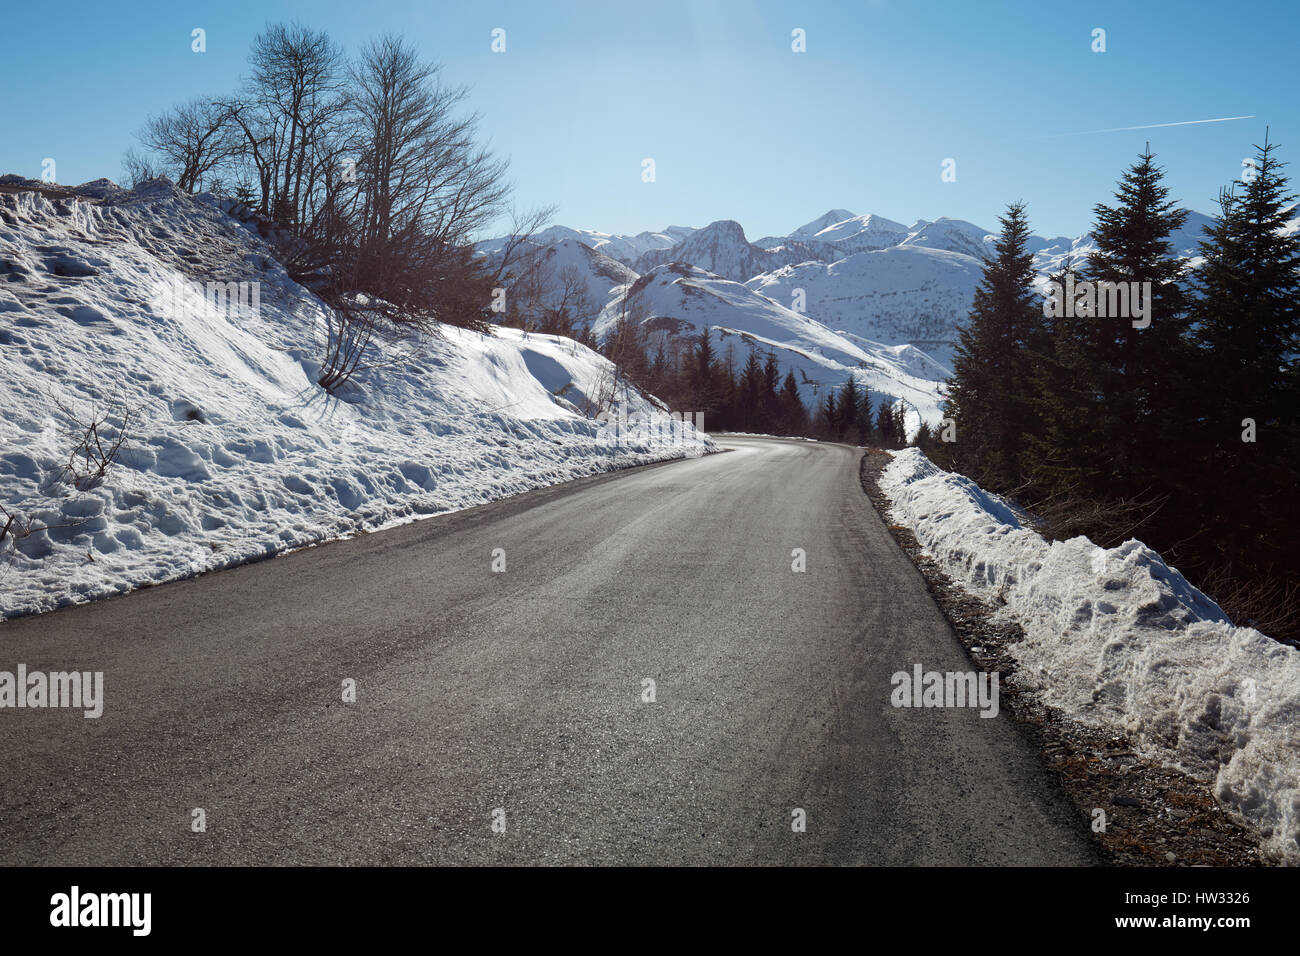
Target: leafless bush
(1270, 604)
(1068, 514)
(360, 338)
(98, 436)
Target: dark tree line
(1184, 433)
(690, 374)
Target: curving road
(523, 690)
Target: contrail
(1121, 129)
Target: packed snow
(1118, 639)
(233, 451)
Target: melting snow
(1117, 638)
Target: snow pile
(1116, 638)
(234, 451)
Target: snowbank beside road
(1117, 638)
(235, 452)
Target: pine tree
(1111, 393)
(827, 416)
(702, 376)
(794, 417)
(863, 423)
(886, 435)
(769, 399)
(1247, 331)
(848, 409)
(989, 395)
(749, 394)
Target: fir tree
(794, 417)
(847, 410)
(1114, 386)
(989, 395)
(1247, 330)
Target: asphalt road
(523, 690)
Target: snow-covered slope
(233, 451)
(1116, 638)
(678, 299)
(906, 295)
(952, 235)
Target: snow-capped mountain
(677, 299)
(907, 295)
(721, 248)
(825, 220)
(548, 267)
(625, 249)
(952, 235)
(896, 294)
(839, 237)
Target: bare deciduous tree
(190, 141)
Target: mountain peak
(829, 218)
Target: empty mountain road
(517, 697)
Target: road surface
(517, 698)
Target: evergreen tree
(1247, 330)
(1115, 386)
(794, 417)
(848, 409)
(989, 395)
(886, 426)
(862, 425)
(827, 416)
(769, 398)
(702, 377)
(749, 393)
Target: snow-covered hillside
(678, 299)
(906, 295)
(1118, 639)
(233, 451)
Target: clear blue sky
(739, 126)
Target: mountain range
(841, 294)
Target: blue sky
(740, 127)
